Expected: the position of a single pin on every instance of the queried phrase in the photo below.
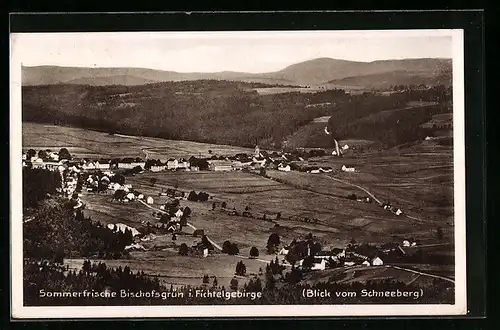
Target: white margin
(18, 311)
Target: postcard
(237, 174)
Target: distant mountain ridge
(313, 72)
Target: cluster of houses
(350, 256)
(281, 161)
(393, 209)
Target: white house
(205, 253)
(406, 243)
(366, 263)
(284, 168)
(157, 168)
(150, 200)
(345, 147)
(121, 227)
(135, 246)
(141, 197)
(162, 207)
(172, 164)
(319, 265)
(314, 171)
(284, 251)
(221, 165)
(179, 213)
(183, 164)
(347, 169)
(349, 263)
(377, 261)
(398, 212)
(130, 196)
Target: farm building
(183, 164)
(366, 263)
(406, 243)
(205, 253)
(121, 227)
(220, 165)
(157, 168)
(150, 200)
(348, 169)
(284, 168)
(319, 265)
(141, 197)
(284, 251)
(194, 168)
(172, 164)
(135, 247)
(349, 263)
(130, 196)
(377, 262)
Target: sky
(253, 52)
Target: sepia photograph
(237, 173)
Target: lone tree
(42, 154)
(308, 263)
(119, 194)
(206, 279)
(64, 154)
(224, 205)
(241, 269)
(254, 252)
(153, 181)
(234, 284)
(187, 211)
(278, 216)
(30, 154)
(226, 247)
(215, 283)
(183, 249)
(193, 196)
(272, 243)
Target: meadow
(84, 143)
(418, 179)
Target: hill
(313, 72)
(233, 113)
(126, 80)
(387, 79)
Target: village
(81, 177)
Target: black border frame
(472, 21)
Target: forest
(56, 231)
(98, 277)
(220, 112)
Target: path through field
(371, 195)
(422, 273)
(355, 185)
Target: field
(83, 143)
(418, 179)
